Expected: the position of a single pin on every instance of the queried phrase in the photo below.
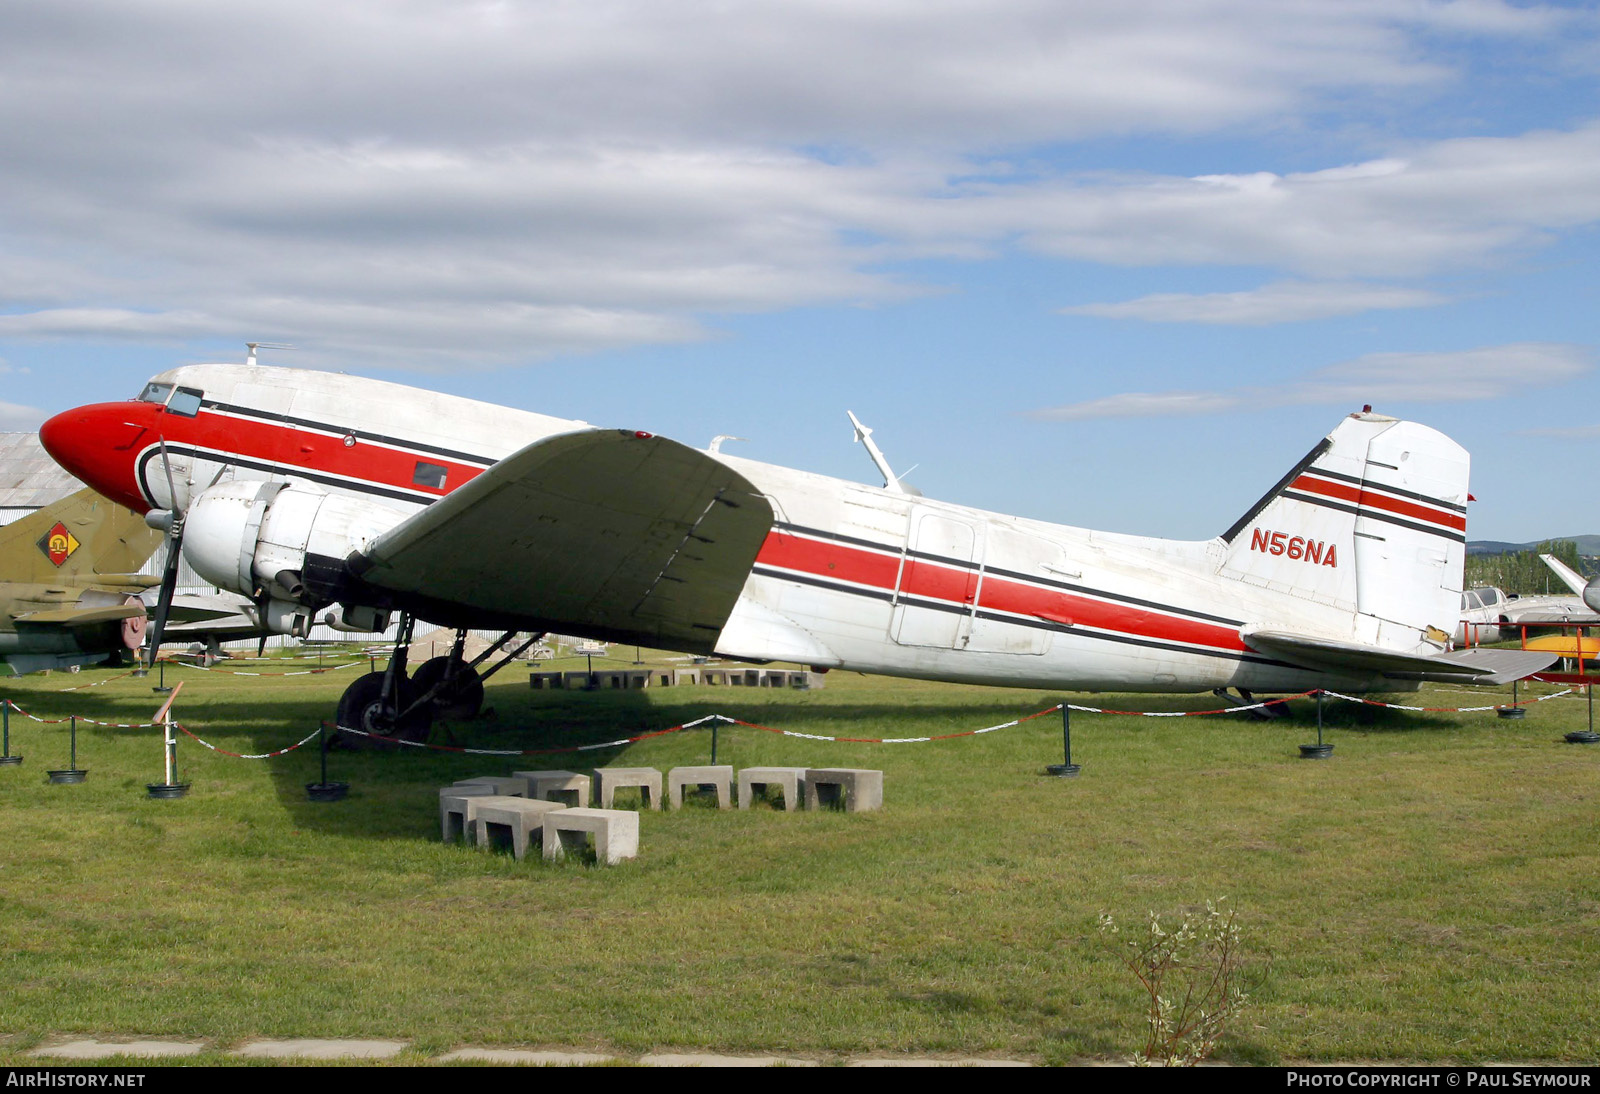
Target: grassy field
(1431, 893)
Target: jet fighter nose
(99, 444)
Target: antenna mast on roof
(253, 346)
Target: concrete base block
(720, 777)
(567, 787)
(753, 781)
(615, 832)
(518, 817)
(456, 807)
(608, 780)
(508, 785)
(859, 790)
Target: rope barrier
(242, 672)
(1444, 710)
(98, 683)
(245, 755)
(82, 718)
(725, 719)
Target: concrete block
(608, 780)
(720, 777)
(754, 781)
(685, 677)
(518, 817)
(456, 809)
(615, 832)
(508, 785)
(541, 681)
(567, 787)
(857, 789)
(713, 676)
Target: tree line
(1524, 572)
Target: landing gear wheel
(362, 707)
(457, 703)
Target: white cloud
(503, 181)
(1284, 302)
(1491, 372)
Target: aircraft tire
(361, 707)
(457, 704)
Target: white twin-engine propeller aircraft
(308, 489)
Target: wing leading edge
(607, 532)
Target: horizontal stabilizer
(1475, 666)
(80, 617)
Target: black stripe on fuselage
(1375, 514)
(347, 431)
(1368, 484)
(1266, 499)
(1052, 583)
(1022, 621)
(359, 486)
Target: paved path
(86, 1049)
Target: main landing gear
(1273, 709)
(388, 707)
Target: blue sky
(1113, 263)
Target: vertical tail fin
(1373, 521)
(77, 537)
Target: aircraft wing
(79, 617)
(607, 532)
(1569, 577)
(1474, 666)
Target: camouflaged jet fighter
(69, 593)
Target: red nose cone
(99, 445)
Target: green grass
(1430, 893)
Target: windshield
(155, 393)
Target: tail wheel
(462, 700)
(361, 707)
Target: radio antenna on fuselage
(253, 346)
(864, 435)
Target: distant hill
(1587, 545)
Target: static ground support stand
(1318, 751)
(161, 677)
(1586, 736)
(72, 773)
(1066, 768)
(325, 791)
(7, 759)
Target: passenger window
(1491, 596)
(429, 474)
(185, 401)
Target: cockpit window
(155, 393)
(185, 401)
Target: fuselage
(850, 575)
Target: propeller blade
(169, 573)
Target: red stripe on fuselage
(956, 584)
(1371, 499)
(292, 448)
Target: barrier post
(1318, 751)
(72, 773)
(6, 758)
(1066, 768)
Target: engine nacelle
(254, 537)
(1591, 593)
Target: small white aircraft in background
(305, 489)
(1489, 615)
